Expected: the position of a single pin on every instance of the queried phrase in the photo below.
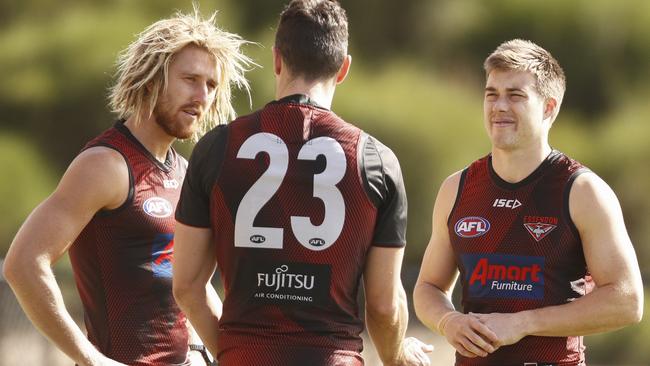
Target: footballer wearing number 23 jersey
(295, 197)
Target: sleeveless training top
(518, 249)
(122, 262)
(295, 197)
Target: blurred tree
(602, 45)
(28, 179)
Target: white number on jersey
(310, 236)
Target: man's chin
(505, 146)
(185, 131)
(184, 134)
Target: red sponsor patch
(485, 271)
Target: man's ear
(277, 61)
(344, 70)
(550, 108)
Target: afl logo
(257, 239)
(157, 207)
(471, 227)
(317, 242)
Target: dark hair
(312, 38)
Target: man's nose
(501, 104)
(201, 93)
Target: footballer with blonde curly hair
(114, 207)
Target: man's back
(294, 210)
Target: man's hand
(507, 327)
(414, 353)
(470, 336)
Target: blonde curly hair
(143, 67)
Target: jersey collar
(167, 166)
(539, 171)
(298, 99)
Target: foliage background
(416, 83)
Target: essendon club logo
(471, 227)
(539, 226)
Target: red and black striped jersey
(122, 262)
(295, 197)
(518, 249)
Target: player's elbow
(629, 305)
(8, 272)
(17, 268)
(382, 312)
(638, 315)
(182, 291)
(634, 313)
(387, 309)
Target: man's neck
(321, 92)
(515, 165)
(151, 136)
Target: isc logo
(470, 227)
(502, 202)
(170, 183)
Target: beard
(170, 123)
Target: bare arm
(96, 179)
(616, 301)
(432, 295)
(387, 310)
(194, 263)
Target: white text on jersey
(502, 202)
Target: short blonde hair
(522, 55)
(143, 67)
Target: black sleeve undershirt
(202, 172)
(384, 184)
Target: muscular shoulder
(589, 190)
(98, 176)
(107, 156)
(592, 201)
(449, 190)
(450, 185)
(446, 199)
